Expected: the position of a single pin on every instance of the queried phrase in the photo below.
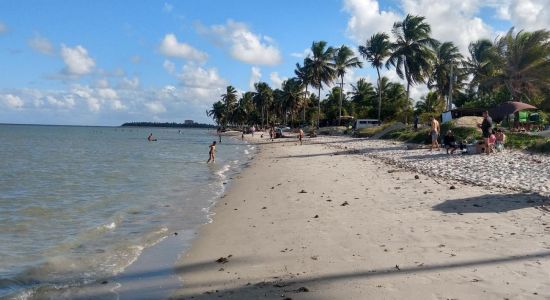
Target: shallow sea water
(78, 204)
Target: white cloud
(367, 19)
(169, 66)
(167, 7)
(255, 76)
(302, 54)
(12, 101)
(171, 47)
(66, 102)
(276, 80)
(129, 83)
(136, 59)
(41, 44)
(3, 28)
(245, 45)
(155, 107)
(77, 61)
(102, 83)
(107, 93)
(452, 20)
(528, 14)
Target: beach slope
(315, 222)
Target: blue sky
(107, 62)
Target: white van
(365, 123)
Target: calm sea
(78, 204)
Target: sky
(106, 62)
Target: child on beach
(301, 135)
(212, 152)
(500, 139)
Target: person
(492, 140)
(150, 138)
(300, 135)
(242, 136)
(271, 134)
(449, 141)
(434, 134)
(500, 140)
(415, 122)
(486, 127)
(212, 152)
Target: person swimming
(150, 138)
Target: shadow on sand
(494, 203)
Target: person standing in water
(150, 138)
(212, 152)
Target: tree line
(513, 67)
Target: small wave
(110, 226)
(246, 152)
(222, 171)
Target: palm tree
(344, 59)
(304, 74)
(376, 50)
(321, 68)
(524, 63)
(481, 64)
(362, 94)
(431, 103)
(411, 54)
(445, 65)
(292, 94)
(218, 112)
(230, 99)
(263, 98)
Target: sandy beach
(334, 219)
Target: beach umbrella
(500, 112)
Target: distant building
(188, 122)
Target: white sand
(396, 238)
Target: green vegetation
(371, 131)
(515, 66)
(528, 142)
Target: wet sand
(319, 222)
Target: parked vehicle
(365, 123)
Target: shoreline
(306, 222)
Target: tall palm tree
(446, 64)
(411, 54)
(376, 50)
(230, 100)
(263, 98)
(304, 75)
(344, 59)
(525, 63)
(481, 64)
(321, 68)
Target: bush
(371, 131)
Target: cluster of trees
(515, 66)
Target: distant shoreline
(167, 125)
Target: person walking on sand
(486, 128)
(434, 134)
(300, 135)
(212, 152)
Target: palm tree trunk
(304, 107)
(340, 105)
(407, 103)
(379, 96)
(319, 109)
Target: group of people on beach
(493, 140)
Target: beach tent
(505, 109)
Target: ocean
(78, 205)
